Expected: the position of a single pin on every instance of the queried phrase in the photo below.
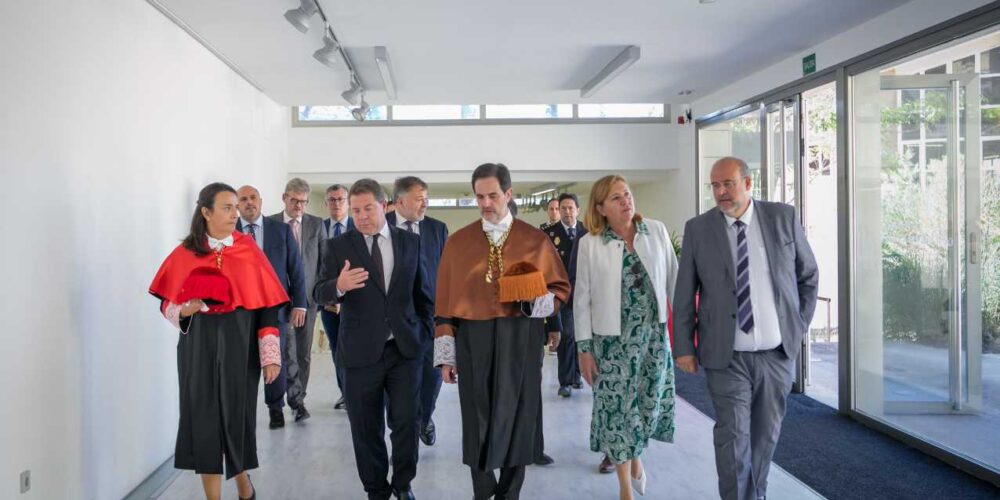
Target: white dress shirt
(766, 333)
(258, 229)
(497, 230)
(401, 223)
(215, 244)
(330, 231)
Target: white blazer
(597, 295)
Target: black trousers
(430, 384)
(365, 390)
(569, 368)
(485, 485)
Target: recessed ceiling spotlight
(685, 92)
(706, 1)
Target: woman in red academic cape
(220, 291)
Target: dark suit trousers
(331, 325)
(366, 389)
(569, 368)
(749, 398)
(430, 385)
(485, 485)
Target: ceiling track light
(354, 95)
(614, 68)
(331, 48)
(300, 17)
(385, 69)
(330, 52)
(360, 113)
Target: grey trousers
(302, 338)
(749, 398)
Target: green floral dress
(634, 395)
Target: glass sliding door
(782, 173)
(926, 302)
(738, 136)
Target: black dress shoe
(544, 460)
(340, 404)
(405, 495)
(301, 413)
(565, 391)
(578, 384)
(428, 434)
(277, 418)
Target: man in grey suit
(754, 276)
(307, 231)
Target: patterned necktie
(295, 231)
(409, 225)
(377, 259)
(337, 230)
(743, 305)
(252, 231)
(572, 233)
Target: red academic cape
(253, 283)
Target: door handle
(973, 247)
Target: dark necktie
(377, 260)
(409, 226)
(572, 233)
(337, 230)
(743, 305)
(252, 231)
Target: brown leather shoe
(606, 466)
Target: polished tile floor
(315, 459)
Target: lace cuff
(444, 350)
(543, 306)
(270, 350)
(173, 314)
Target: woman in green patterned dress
(625, 275)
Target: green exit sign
(808, 64)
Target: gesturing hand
(351, 279)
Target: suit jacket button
(733, 315)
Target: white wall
(450, 153)
(884, 29)
(111, 119)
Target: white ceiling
(517, 51)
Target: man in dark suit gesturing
(306, 229)
(410, 194)
(276, 240)
(750, 266)
(376, 272)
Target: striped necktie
(743, 305)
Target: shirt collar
(287, 218)
(214, 243)
(500, 226)
(259, 222)
(401, 222)
(567, 228)
(610, 235)
(747, 216)
(384, 233)
(342, 222)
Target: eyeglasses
(298, 203)
(727, 184)
(336, 200)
